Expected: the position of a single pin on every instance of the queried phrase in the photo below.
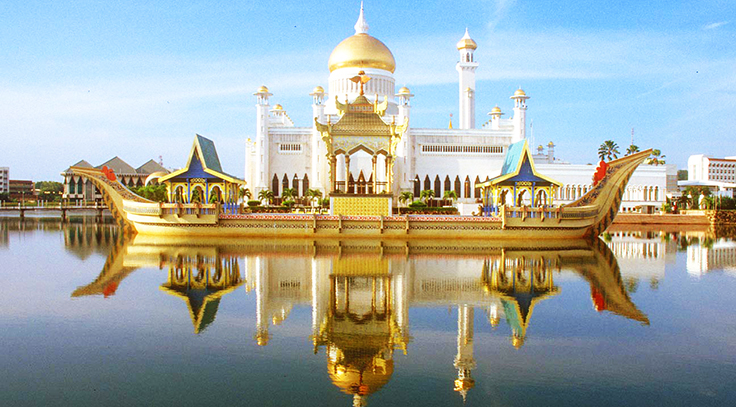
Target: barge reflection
(360, 292)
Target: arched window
(466, 193)
(284, 183)
(305, 185)
(477, 189)
(448, 186)
(427, 183)
(417, 186)
(457, 186)
(275, 185)
(437, 187)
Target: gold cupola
(362, 51)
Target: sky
(137, 79)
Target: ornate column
(333, 173)
(347, 172)
(389, 173)
(374, 174)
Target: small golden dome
(318, 89)
(262, 89)
(466, 42)
(362, 51)
(519, 92)
(278, 107)
(404, 91)
(496, 110)
(350, 380)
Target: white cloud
(712, 26)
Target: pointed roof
(80, 163)
(518, 165)
(118, 166)
(361, 26)
(150, 167)
(203, 155)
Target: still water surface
(88, 318)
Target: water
(89, 318)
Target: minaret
(495, 114)
(466, 68)
(464, 361)
(261, 335)
(319, 164)
(260, 178)
(519, 119)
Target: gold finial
(450, 126)
(362, 79)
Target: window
(440, 148)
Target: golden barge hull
(587, 217)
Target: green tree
(451, 195)
(288, 193)
(657, 158)
(632, 149)
(426, 195)
(156, 193)
(49, 190)
(265, 195)
(314, 195)
(608, 149)
(681, 175)
(245, 192)
(405, 197)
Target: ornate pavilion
(202, 180)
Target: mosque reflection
(360, 292)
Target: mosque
(380, 152)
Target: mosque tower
(519, 118)
(466, 68)
(259, 170)
(464, 361)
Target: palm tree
(656, 158)
(245, 192)
(426, 195)
(265, 195)
(405, 197)
(632, 149)
(451, 195)
(314, 195)
(288, 193)
(608, 149)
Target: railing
(188, 209)
(525, 212)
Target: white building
(283, 155)
(4, 180)
(718, 174)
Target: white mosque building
(457, 158)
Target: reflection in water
(360, 291)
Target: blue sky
(94, 79)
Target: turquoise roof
(209, 152)
(514, 154)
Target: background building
(4, 180)
(79, 188)
(21, 190)
(718, 174)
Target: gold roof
(262, 89)
(404, 90)
(519, 92)
(496, 110)
(362, 51)
(466, 42)
(278, 107)
(318, 89)
(350, 380)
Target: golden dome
(348, 378)
(362, 51)
(318, 89)
(519, 92)
(496, 110)
(466, 42)
(404, 91)
(278, 107)
(262, 89)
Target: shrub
(288, 203)
(417, 205)
(254, 202)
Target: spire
(361, 27)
